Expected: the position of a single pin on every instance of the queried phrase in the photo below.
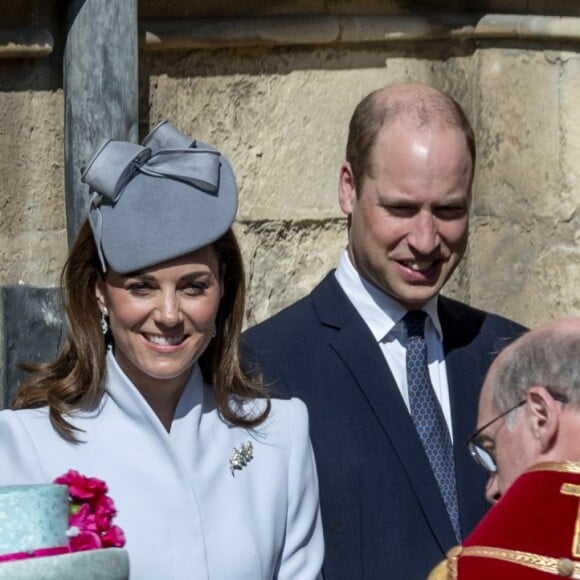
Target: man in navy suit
(406, 190)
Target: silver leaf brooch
(241, 457)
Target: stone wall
(278, 105)
(32, 222)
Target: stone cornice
(25, 43)
(203, 34)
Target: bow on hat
(166, 153)
(116, 163)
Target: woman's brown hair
(220, 362)
(75, 380)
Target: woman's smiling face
(163, 318)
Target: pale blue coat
(184, 513)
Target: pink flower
(104, 511)
(81, 487)
(83, 519)
(85, 541)
(91, 513)
(114, 537)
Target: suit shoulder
(463, 324)
(294, 312)
(459, 311)
(293, 320)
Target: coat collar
(134, 406)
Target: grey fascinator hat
(157, 201)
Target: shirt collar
(380, 311)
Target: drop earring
(104, 323)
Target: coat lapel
(355, 345)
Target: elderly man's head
(529, 409)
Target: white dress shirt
(382, 314)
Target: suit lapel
(355, 345)
(464, 362)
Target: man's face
(508, 440)
(409, 221)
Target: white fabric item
(184, 514)
(382, 315)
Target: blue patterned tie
(428, 417)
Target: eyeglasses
(481, 454)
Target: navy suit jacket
(382, 512)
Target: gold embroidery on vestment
(534, 561)
(558, 466)
(572, 489)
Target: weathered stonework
(520, 118)
(285, 258)
(32, 223)
(530, 272)
(524, 260)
